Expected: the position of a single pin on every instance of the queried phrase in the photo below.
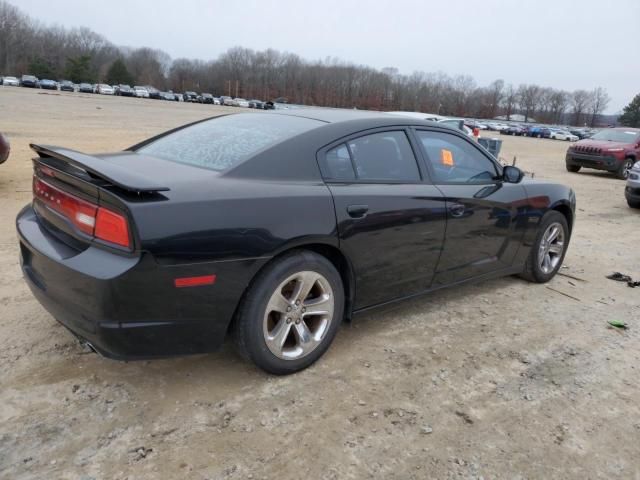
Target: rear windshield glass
(223, 142)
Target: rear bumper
(609, 163)
(128, 307)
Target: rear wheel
(623, 171)
(573, 168)
(549, 248)
(291, 313)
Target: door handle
(357, 211)
(456, 210)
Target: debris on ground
(621, 277)
(618, 324)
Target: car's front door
(390, 223)
(481, 208)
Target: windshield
(223, 142)
(623, 136)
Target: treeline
(81, 55)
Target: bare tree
(510, 99)
(599, 102)
(581, 102)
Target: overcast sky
(558, 43)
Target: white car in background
(140, 92)
(11, 81)
(421, 116)
(104, 89)
(563, 135)
(458, 124)
(241, 102)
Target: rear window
(224, 142)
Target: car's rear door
(481, 209)
(391, 222)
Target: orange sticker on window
(446, 157)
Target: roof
(332, 115)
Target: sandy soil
(501, 380)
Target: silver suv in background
(632, 189)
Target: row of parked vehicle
(138, 91)
(540, 131)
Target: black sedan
(274, 228)
(29, 81)
(125, 91)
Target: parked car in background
(154, 93)
(241, 102)
(125, 91)
(190, 96)
(256, 104)
(66, 86)
(228, 101)
(632, 189)
(206, 98)
(47, 84)
(216, 101)
(580, 133)
(202, 226)
(10, 82)
(29, 81)
(613, 149)
(498, 127)
(458, 124)
(140, 92)
(85, 88)
(563, 135)
(514, 130)
(167, 96)
(5, 148)
(269, 105)
(417, 115)
(104, 89)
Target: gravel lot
(499, 380)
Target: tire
(272, 323)
(633, 204)
(536, 268)
(573, 168)
(623, 171)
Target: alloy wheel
(551, 248)
(298, 315)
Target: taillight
(112, 227)
(98, 222)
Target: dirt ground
(504, 379)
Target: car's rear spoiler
(115, 174)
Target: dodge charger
(273, 228)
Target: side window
(337, 164)
(455, 160)
(385, 156)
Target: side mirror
(512, 174)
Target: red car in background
(613, 149)
(4, 148)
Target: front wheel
(291, 313)
(549, 248)
(573, 168)
(623, 171)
